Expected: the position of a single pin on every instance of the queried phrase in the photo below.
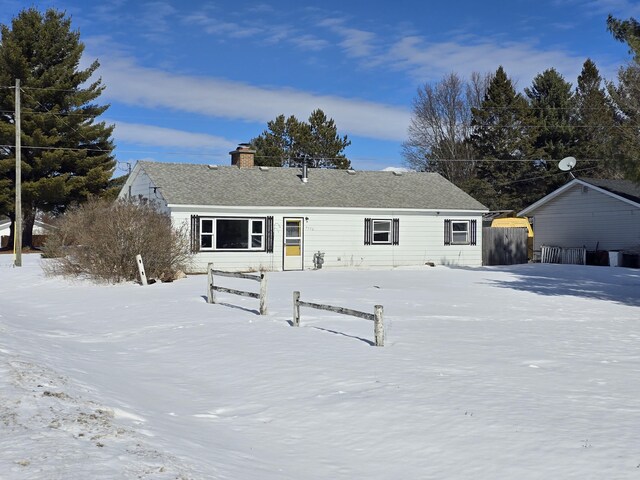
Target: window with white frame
(206, 233)
(460, 232)
(381, 231)
(232, 233)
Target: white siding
(340, 236)
(5, 229)
(140, 185)
(582, 216)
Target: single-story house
(40, 229)
(586, 212)
(5, 226)
(243, 217)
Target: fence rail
(376, 317)
(261, 296)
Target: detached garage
(599, 215)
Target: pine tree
(290, 142)
(66, 154)
(552, 105)
(323, 144)
(502, 141)
(275, 146)
(595, 125)
(626, 98)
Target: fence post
(143, 276)
(211, 297)
(263, 294)
(296, 309)
(378, 326)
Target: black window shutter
(395, 237)
(367, 231)
(269, 233)
(447, 232)
(195, 233)
(473, 232)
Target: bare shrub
(100, 239)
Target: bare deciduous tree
(441, 125)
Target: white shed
(243, 217)
(593, 213)
(39, 228)
(5, 226)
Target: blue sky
(189, 80)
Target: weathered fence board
(376, 317)
(571, 255)
(504, 245)
(242, 293)
(246, 276)
(261, 296)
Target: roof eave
(565, 187)
(182, 206)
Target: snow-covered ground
(522, 372)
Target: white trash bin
(615, 258)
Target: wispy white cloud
(429, 61)
(132, 84)
(621, 8)
(213, 23)
(260, 8)
(215, 26)
(142, 134)
(356, 43)
(155, 21)
(308, 42)
(463, 52)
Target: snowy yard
(522, 372)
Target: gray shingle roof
(196, 184)
(624, 188)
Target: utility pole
(17, 229)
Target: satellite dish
(567, 164)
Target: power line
(209, 154)
(541, 177)
(75, 130)
(71, 149)
(33, 147)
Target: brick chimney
(243, 156)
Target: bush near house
(100, 240)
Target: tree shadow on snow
(614, 284)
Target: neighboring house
(40, 229)
(243, 217)
(5, 227)
(585, 212)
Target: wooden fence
(504, 245)
(376, 316)
(575, 256)
(262, 295)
